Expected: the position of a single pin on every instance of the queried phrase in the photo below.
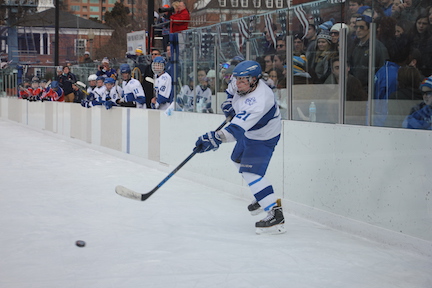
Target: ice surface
(55, 192)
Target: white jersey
(257, 114)
(115, 93)
(99, 93)
(135, 87)
(186, 94)
(90, 89)
(203, 96)
(163, 87)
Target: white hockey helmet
(92, 77)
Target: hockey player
(162, 85)
(113, 93)
(256, 127)
(35, 90)
(204, 94)
(132, 89)
(97, 96)
(92, 83)
(54, 93)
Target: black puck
(80, 243)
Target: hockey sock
(262, 190)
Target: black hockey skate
(273, 223)
(255, 208)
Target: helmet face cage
(158, 67)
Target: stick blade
(128, 193)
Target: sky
(56, 191)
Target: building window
(83, 1)
(112, 1)
(257, 3)
(234, 3)
(279, 3)
(244, 3)
(94, 9)
(84, 8)
(80, 45)
(269, 3)
(103, 9)
(75, 8)
(94, 1)
(222, 3)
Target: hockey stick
(150, 80)
(128, 193)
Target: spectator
(422, 40)
(421, 115)
(180, 18)
(354, 5)
(311, 37)
(386, 78)
(386, 31)
(279, 60)
(268, 60)
(87, 58)
(65, 80)
(299, 45)
(409, 80)
(105, 70)
(352, 24)
(321, 65)
(354, 91)
(359, 56)
(281, 44)
(276, 75)
(386, 6)
(268, 45)
(402, 27)
(335, 31)
(409, 10)
(300, 76)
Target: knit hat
(426, 84)
(338, 26)
(324, 35)
(299, 64)
(327, 25)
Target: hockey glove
(227, 108)
(109, 104)
(129, 97)
(209, 141)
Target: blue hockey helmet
(125, 68)
(109, 80)
(247, 68)
(159, 59)
(100, 78)
(55, 85)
